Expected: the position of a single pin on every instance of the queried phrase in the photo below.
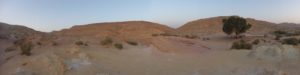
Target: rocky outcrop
(275, 52)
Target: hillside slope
(214, 25)
(138, 30)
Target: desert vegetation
(26, 48)
(236, 25)
(81, 43)
(132, 43)
(79, 49)
(54, 43)
(107, 41)
(241, 44)
(256, 41)
(290, 41)
(118, 46)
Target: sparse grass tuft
(54, 43)
(191, 36)
(255, 42)
(155, 35)
(118, 46)
(26, 48)
(132, 43)
(242, 44)
(39, 43)
(81, 43)
(107, 41)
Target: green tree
(236, 25)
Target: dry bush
(25, 45)
(191, 36)
(107, 41)
(26, 48)
(132, 43)
(242, 44)
(155, 35)
(290, 41)
(39, 43)
(118, 46)
(256, 41)
(54, 43)
(81, 43)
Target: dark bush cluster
(107, 41)
(280, 33)
(118, 46)
(256, 41)
(132, 43)
(291, 41)
(242, 44)
(26, 48)
(39, 43)
(191, 36)
(54, 43)
(81, 43)
(164, 34)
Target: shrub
(54, 44)
(106, 41)
(290, 41)
(79, 43)
(85, 44)
(285, 33)
(166, 34)
(155, 35)
(26, 48)
(297, 32)
(39, 43)
(255, 42)
(277, 37)
(190, 36)
(119, 46)
(132, 43)
(241, 45)
(279, 32)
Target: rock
(275, 52)
(21, 71)
(290, 52)
(75, 64)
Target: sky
(49, 15)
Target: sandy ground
(70, 59)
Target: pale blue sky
(48, 15)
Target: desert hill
(214, 26)
(130, 30)
(154, 49)
(8, 31)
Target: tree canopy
(236, 25)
